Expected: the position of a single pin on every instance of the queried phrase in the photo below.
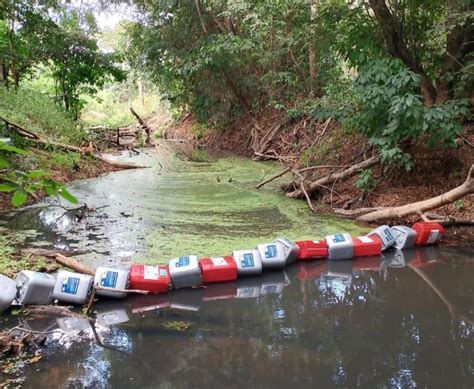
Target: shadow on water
(403, 320)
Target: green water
(177, 207)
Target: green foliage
(391, 114)
(366, 181)
(37, 112)
(22, 184)
(199, 155)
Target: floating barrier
(220, 269)
(153, 279)
(384, 233)
(34, 288)
(114, 280)
(312, 249)
(405, 237)
(7, 292)
(185, 272)
(73, 288)
(189, 271)
(340, 246)
(367, 246)
(249, 262)
(428, 233)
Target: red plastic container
(154, 279)
(428, 233)
(218, 269)
(312, 249)
(367, 246)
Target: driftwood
(457, 193)
(83, 150)
(333, 177)
(50, 253)
(74, 265)
(273, 177)
(144, 126)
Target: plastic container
(73, 288)
(113, 280)
(185, 272)
(7, 292)
(248, 262)
(221, 291)
(367, 246)
(108, 317)
(386, 236)
(34, 288)
(154, 279)
(187, 299)
(73, 324)
(290, 249)
(276, 255)
(405, 237)
(219, 269)
(249, 287)
(312, 249)
(274, 282)
(340, 246)
(428, 233)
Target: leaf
(4, 163)
(12, 149)
(19, 197)
(36, 174)
(8, 187)
(67, 196)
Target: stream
(400, 320)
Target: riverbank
(316, 149)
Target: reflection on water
(404, 320)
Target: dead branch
(20, 130)
(457, 193)
(333, 177)
(73, 264)
(147, 129)
(273, 177)
(353, 213)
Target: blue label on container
(71, 285)
(388, 234)
(248, 261)
(110, 280)
(182, 261)
(271, 251)
(338, 238)
(163, 273)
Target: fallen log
(333, 177)
(74, 265)
(147, 129)
(457, 193)
(273, 178)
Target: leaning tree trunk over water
(457, 193)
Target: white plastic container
(274, 282)
(111, 279)
(34, 288)
(386, 236)
(111, 317)
(248, 262)
(7, 292)
(340, 246)
(291, 249)
(405, 237)
(185, 272)
(249, 287)
(73, 288)
(273, 255)
(73, 324)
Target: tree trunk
(426, 205)
(333, 177)
(4, 74)
(313, 5)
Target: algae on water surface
(184, 207)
